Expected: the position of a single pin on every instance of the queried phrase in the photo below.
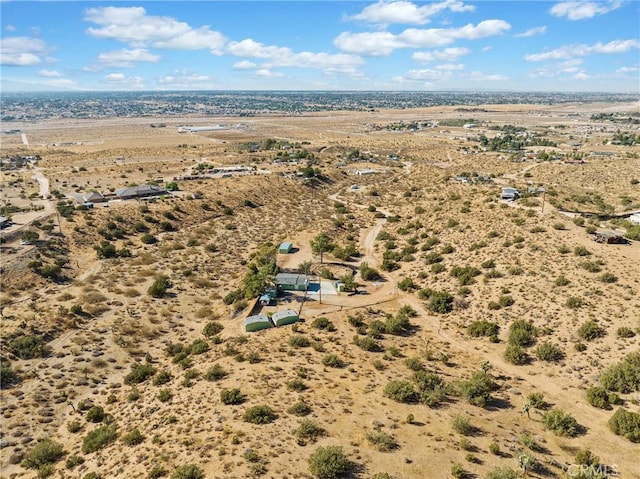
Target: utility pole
(544, 195)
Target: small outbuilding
(285, 248)
(609, 237)
(257, 322)
(284, 317)
(292, 281)
(509, 193)
(634, 218)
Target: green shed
(285, 248)
(256, 323)
(284, 317)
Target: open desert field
(477, 336)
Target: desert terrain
(485, 337)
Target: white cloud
(49, 73)
(125, 58)
(121, 79)
(266, 73)
(10, 28)
(581, 76)
(284, 57)
(383, 43)
(244, 65)
(627, 69)
(132, 25)
(480, 76)
(486, 49)
(580, 10)
(532, 32)
(22, 51)
(450, 66)
(252, 49)
(428, 74)
(581, 50)
(568, 67)
(184, 78)
(447, 54)
(62, 83)
(384, 12)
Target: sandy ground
(205, 255)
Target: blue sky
(321, 45)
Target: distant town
(92, 105)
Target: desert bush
(460, 424)
(516, 354)
(366, 343)
(198, 346)
(329, 462)
(382, 441)
(477, 390)
(261, 414)
(623, 377)
(581, 251)
(549, 352)
(537, 401)
(400, 391)
(459, 472)
(440, 302)
(188, 471)
(591, 330)
(165, 395)
(482, 328)
(522, 333)
(367, 273)
(215, 373)
(332, 361)
(297, 385)
(625, 332)
(8, 375)
(608, 278)
(299, 409)
(139, 373)
(45, 452)
(561, 281)
(397, 325)
(29, 347)
(299, 341)
(599, 397)
(502, 473)
(585, 457)
(494, 448)
(591, 266)
(212, 328)
(159, 287)
(163, 377)
(561, 423)
(465, 275)
(232, 396)
(323, 324)
(95, 414)
(99, 438)
(626, 423)
(133, 437)
(73, 461)
(148, 238)
(309, 430)
(74, 426)
(414, 363)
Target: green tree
(321, 244)
(30, 236)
